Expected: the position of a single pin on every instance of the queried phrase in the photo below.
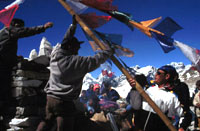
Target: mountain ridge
(186, 74)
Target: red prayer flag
(105, 5)
(94, 21)
(6, 15)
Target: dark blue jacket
(113, 95)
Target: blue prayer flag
(165, 42)
(168, 26)
(110, 39)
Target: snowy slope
(185, 73)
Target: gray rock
(33, 74)
(26, 83)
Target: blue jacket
(113, 95)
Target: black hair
(15, 21)
(198, 83)
(142, 80)
(91, 86)
(107, 83)
(168, 69)
(67, 44)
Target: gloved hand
(48, 25)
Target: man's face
(97, 90)
(91, 87)
(83, 94)
(161, 77)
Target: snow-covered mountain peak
(186, 74)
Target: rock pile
(30, 76)
(29, 80)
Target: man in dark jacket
(67, 70)
(182, 91)
(8, 54)
(109, 93)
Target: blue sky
(147, 50)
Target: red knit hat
(96, 86)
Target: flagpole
(119, 65)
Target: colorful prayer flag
(122, 17)
(165, 42)
(104, 5)
(107, 68)
(115, 40)
(192, 54)
(168, 26)
(14, 3)
(107, 40)
(77, 6)
(6, 15)
(94, 21)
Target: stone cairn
(30, 77)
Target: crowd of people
(97, 98)
(67, 70)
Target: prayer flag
(115, 40)
(14, 3)
(94, 21)
(106, 67)
(192, 54)
(165, 42)
(77, 6)
(104, 5)
(168, 26)
(107, 40)
(122, 17)
(6, 15)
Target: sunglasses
(159, 73)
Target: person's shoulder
(153, 90)
(198, 92)
(154, 87)
(113, 89)
(4, 29)
(182, 86)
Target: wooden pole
(119, 65)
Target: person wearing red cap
(96, 89)
(93, 100)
